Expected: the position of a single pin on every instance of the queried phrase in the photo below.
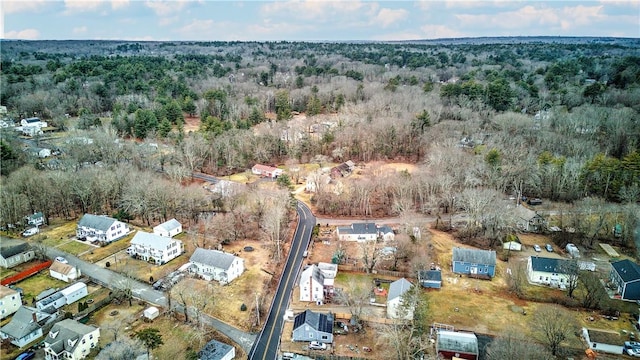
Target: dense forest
(555, 118)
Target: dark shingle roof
(96, 222)
(318, 321)
(473, 256)
(627, 269)
(12, 247)
(431, 275)
(550, 265)
(365, 228)
(214, 350)
(22, 323)
(64, 331)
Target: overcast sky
(314, 19)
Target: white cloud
(321, 10)
(26, 34)
(75, 6)
(119, 4)
(197, 27)
(168, 7)
(388, 17)
(423, 4)
(80, 30)
(439, 32)
(12, 7)
(631, 3)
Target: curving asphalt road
(140, 290)
(268, 341)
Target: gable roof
(97, 222)
(153, 241)
(12, 247)
(397, 288)
(66, 335)
(364, 228)
(314, 272)
(61, 268)
(169, 225)
(22, 323)
(215, 258)
(318, 321)
(38, 215)
(474, 256)
(214, 350)
(6, 291)
(260, 167)
(431, 275)
(550, 265)
(627, 269)
(457, 341)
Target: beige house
(10, 301)
(64, 272)
(70, 340)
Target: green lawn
(75, 247)
(34, 285)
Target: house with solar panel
(100, 228)
(217, 265)
(312, 326)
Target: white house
(312, 284)
(155, 248)
(14, 252)
(35, 219)
(101, 228)
(33, 122)
(169, 228)
(364, 232)
(226, 188)
(64, 272)
(66, 296)
(10, 301)
(217, 265)
(26, 325)
(548, 271)
(266, 171)
(70, 340)
(316, 180)
(395, 304)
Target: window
(324, 337)
(466, 268)
(90, 336)
(84, 341)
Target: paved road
(268, 341)
(113, 280)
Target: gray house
(216, 350)
(14, 252)
(27, 325)
(311, 326)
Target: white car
(315, 345)
(537, 248)
(60, 259)
(30, 232)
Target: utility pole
(257, 309)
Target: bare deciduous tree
(357, 297)
(512, 344)
(553, 325)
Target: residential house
(70, 339)
(35, 219)
(266, 171)
(316, 180)
(625, 277)
(343, 170)
(474, 262)
(41, 152)
(154, 248)
(548, 271)
(15, 252)
(457, 344)
(226, 188)
(431, 279)
(312, 326)
(10, 301)
(396, 306)
(365, 232)
(512, 246)
(528, 220)
(64, 272)
(217, 265)
(33, 122)
(312, 284)
(27, 325)
(101, 228)
(603, 341)
(66, 296)
(216, 350)
(169, 228)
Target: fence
(94, 307)
(26, 273)
(351, 268)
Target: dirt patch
(191, 123)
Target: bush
(243, 307)
(108, 264)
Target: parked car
(30, 232)
(60, 259)
(549, 247)
(537, 248)
(26, 355)
(635, 352)
(315, 345)
(534, 201)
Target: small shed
(151, 313)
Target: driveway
(140, 290)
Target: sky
(312, 20)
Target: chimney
(34, 316)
